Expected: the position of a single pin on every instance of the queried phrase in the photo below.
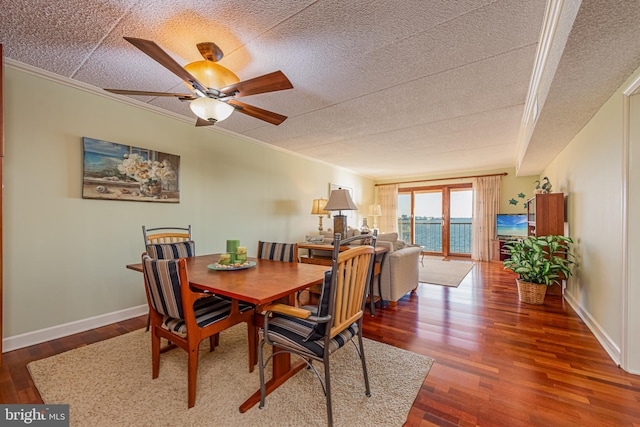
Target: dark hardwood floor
(497, 362)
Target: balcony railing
(428, 233)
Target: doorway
(438, 218)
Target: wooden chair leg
(192, 368)
(393, 303)
(214, 341)
(155, 354)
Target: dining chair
(274, 251)
(166, 234)
(185, 317)
(182, 249)
(314, 333)
(287, 252)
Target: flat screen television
(511, 225)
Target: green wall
(65, 257)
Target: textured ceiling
(387, 89)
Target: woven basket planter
(531, 293)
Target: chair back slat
(161, 235)
(162, 279)
(286, 252)
(168, 238)
(353, 274)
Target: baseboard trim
(605, 341)
(54, 332)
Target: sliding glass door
(437, 218)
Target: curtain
(486, 205)
(388, 199)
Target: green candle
(241, 254)
(232, 246)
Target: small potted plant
(539, 262)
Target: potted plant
(539, 262)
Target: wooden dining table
(260, 285)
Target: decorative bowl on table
(233, 266)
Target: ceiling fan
(214, 87)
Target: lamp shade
(211, 109)
(318, 207)
(211, 74)
(340, 200)
(375, 210)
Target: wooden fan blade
(186, 96)
(163, 58)
(258, 113)
(203, 122)
(267, 83)
(210, 51)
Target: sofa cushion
(387, 237)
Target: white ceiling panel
(385, 88)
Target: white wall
(65, 256)
(631, 348)
(590, 171)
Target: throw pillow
(399, 244)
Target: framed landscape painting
(113, 171)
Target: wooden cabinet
(545, 214)
(498, 252)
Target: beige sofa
(400, 269)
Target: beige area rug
(109, 384)
(445, 273)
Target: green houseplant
(539, 262)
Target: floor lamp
(340, 200)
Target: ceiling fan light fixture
(211, 74)
(211, 109)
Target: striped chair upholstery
(287, 252)
(172, 250)
(293, 332)
(164, 284)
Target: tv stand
(498, 252)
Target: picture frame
(112, 171)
